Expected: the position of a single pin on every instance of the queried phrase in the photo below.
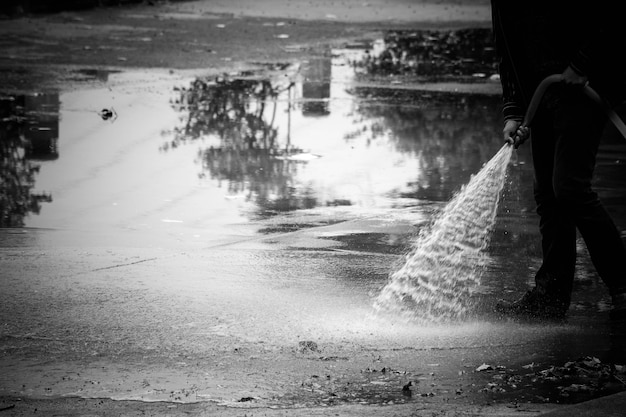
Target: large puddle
(311, 183)
(269, 142)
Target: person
(535, 39)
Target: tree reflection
(233, 110)
(451, 135)
(437, 55)
(28, 130)
(241, 114)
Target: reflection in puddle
(381, 147)
(432, 55)
(316, 88)
(250, 157)
(314, 137)
(93, 74)
(29, 131)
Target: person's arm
(512, 107)
(513, 132)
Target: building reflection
(316, 87)
(29, 131)
(42, 130)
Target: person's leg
(557, 228)
(550, 297)
(565, 140)
(579, 124)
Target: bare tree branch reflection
(250, 158)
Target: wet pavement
(221, 239)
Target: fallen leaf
(484, 367)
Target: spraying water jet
(444, 266)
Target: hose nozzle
(521, 135)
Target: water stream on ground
(443, 270)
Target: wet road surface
(222, 239)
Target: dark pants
(565, 137)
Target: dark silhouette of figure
(586, 43)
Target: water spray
(444, 267)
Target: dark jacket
(537, 38)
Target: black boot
(534, 305)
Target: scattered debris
(384, 370)
(307, 346)
(575, 381)
(108, 114)
(333, 358)
(493, 387)
(409, 388)
(484, 367)
(245, 399)
(379, 382)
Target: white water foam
(444, 266)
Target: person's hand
(515, 133)
(573, 78)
